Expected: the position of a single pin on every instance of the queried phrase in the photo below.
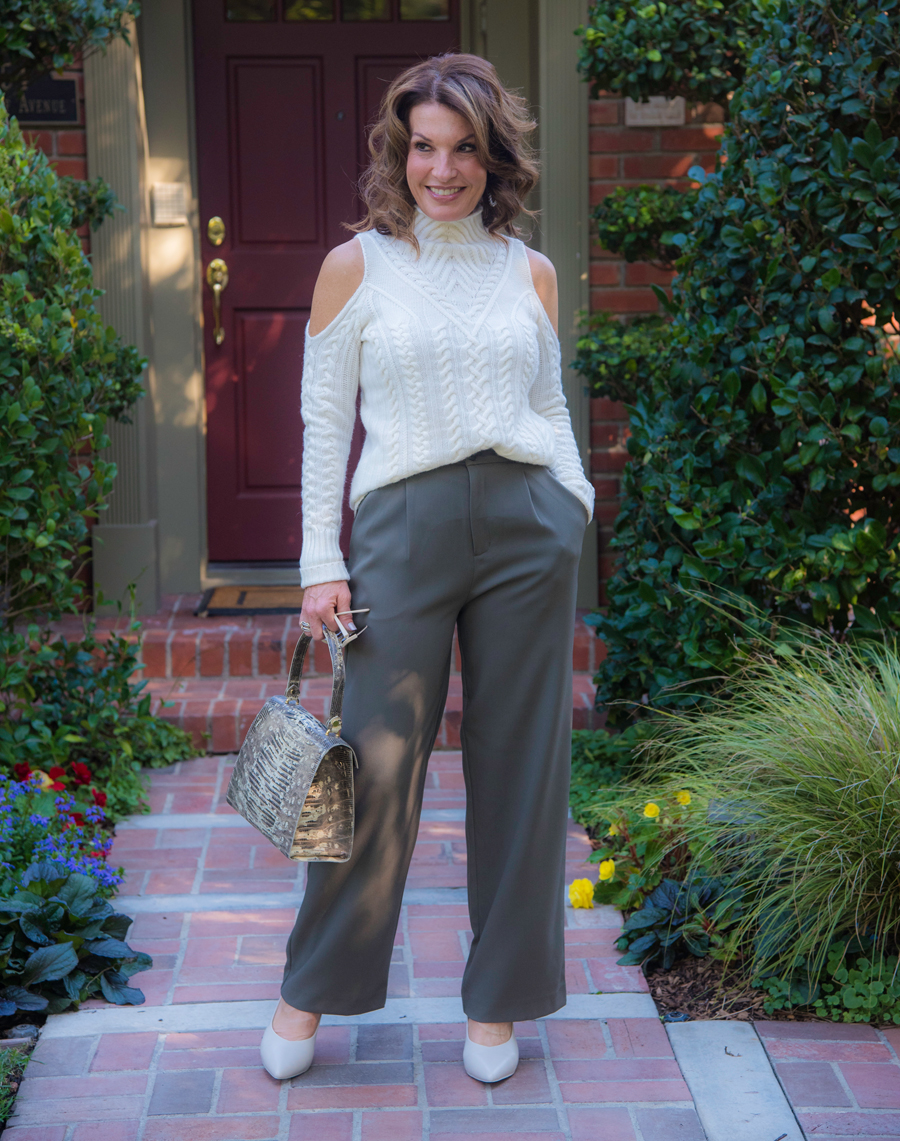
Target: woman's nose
(444, 167)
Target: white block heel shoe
(283, 1058)
(490, 1063)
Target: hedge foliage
(694, 48)
(40, 36)
(63, 372)
(764, 447)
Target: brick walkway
(842, 1080)
(214, 904)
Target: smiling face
(444, 173)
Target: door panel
(269, 428)
(277, 112)
(284, 91)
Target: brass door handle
(217, 279)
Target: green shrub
(600, 762)
(40, 36)
(640, 847)
(699, 917)
(61, 943)
(63, 372)
(764, 463)
(620, 359)
(694, 48)
(645, 223)
(796, 781)
(855, 986)
(76, 705)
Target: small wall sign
(656, 112)
(46, 101)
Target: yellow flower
(651, 810)
(46, 782)
(607, 869)
(613, 830)
(683, 797)
(581, 893)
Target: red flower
(78, 818)
(81, 772)
(97, 855)
(99, 798)
(56, 772)
(22, 771)
(58, 786)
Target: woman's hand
(321, 602)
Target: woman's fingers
(320, 603)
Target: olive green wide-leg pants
(490, 546)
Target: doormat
(231, 601)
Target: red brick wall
(631, 156)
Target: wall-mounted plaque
(168, 204)
(46, 101)
(656, 112)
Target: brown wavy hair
(500, 123)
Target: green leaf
(758, 396)
(48, 963)
(857, 241)
(751, 468)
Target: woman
(471, 506)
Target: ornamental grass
(796, 795)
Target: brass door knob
(217, 279)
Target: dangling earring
(491, 201)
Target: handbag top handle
(292, 691)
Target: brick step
(218, 712)
(223, 648)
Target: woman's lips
(445, 193)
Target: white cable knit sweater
(453, 353)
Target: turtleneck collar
(461, 232)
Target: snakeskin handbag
(293, 780)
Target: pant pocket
(556, 508)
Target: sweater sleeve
(328, 406)
(548, 400)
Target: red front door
(284, 90)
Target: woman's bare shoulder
(339, 278)
(544, 277)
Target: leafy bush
(694, 48)
(600, 761)
(40, 36)
(63, 372)
(797, 782)
(61, 943)
(644, 223)
(40, 823)
(699, 916)
(764, 462)
(853, 988)
(620, 359)
(75, 706)
(640, 848)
